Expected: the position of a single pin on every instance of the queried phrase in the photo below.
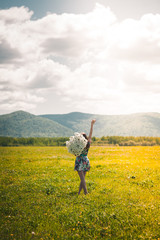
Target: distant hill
(23, 124)
(139, 124)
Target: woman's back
(85, 150)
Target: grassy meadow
(39, 197)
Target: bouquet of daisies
(76, 144)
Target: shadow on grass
(73, 193)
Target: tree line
(61, 141)
(127, 141)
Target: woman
(82, 164)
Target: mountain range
(24, 124)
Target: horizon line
(80, 113)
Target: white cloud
(91, 61)
(137, 40)
(7, 52)
(15, 15)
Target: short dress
(82, 162)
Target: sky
(95, 56)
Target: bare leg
(83, 182)
(80, 186)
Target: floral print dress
(82, 162)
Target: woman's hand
(93, 121)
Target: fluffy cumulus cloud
(92, 62)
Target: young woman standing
(82, 164)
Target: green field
(39, 197)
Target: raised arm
(91, 130)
